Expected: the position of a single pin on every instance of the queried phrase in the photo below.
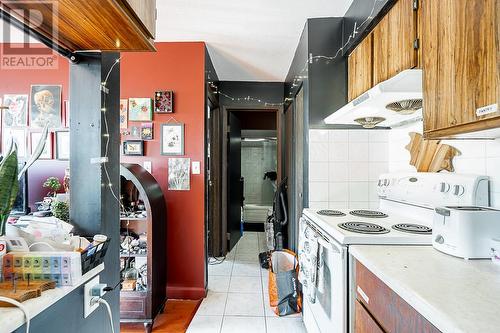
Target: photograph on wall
(18, 135)
(62, 145)
(135, 132)
(123, 113)
(45, 106)
(164, 102)
(133, 147)
(147, 131)
(140, 109)
(178, 174)
(172, 139)
(47, 150)
(16, 113)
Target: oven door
(329, 312)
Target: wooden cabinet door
(460, 63)
(364, 323)
(146, 12)
(360, 68)
(393, 42)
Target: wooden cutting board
(430, 155)
(24, 291)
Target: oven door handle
(327, 245)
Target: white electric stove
(404, 217)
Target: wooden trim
(462, 130)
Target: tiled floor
(238, 300)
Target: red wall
(179, 67)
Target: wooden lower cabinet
(381, 307)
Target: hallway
(238, 300)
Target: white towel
(308, 260)
(320, 280)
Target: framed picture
(147, 131)
(123, 113)
(133, 147)
(179, 174)
(140, 109)
(172, 139)
(164, 101)
(17, 112)
(47, 150)
(45, 106)
(135, 132)
(66, 113)
(18, 135)
(62, 145)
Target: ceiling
(247, 40)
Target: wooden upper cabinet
(393, 41)
(360, 68)
(461, 71)
(76, 25)
(146, 13)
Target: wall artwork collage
(139, 113)
(24, 116)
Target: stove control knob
(458, 190)
(386, 182)
(439, 239)
(444, 187)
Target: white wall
(344, 166)
(477, 157)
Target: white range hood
(404, 86)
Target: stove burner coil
(412, 228)
(363, 227)
(368, 213)
(328, 212)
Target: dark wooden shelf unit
(144, 306)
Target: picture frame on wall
(66, 113)
(172, 139)
(62, 138)
(140, 109)
(18, 135)
(16, 113)
(133, 147)
(35, 138)
(147, 131)
(164, 101)
(45, 106)
(124, 113)
(179, 173)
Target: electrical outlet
(88, 307)
(147, 166)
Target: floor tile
(214, 304)
(224, 268)
(245, 284)
(244, 304)
(283, 324)
(246, 269)
(247, 256)
(218, 284)
(205, 324)
(243, 325)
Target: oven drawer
(364, 321)
(389, 310)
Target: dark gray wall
(93, 207)
(271, 92)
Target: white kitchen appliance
(404, 217)
(465, 231)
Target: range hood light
(369, 122)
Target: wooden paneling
(393, 40)
(390, 311)
(107, 25)
(364, 323)
(146, 12)
(460, 62)
(360, 68)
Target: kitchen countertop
(11, 318)
(454, 294)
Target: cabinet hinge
(416, 44)
(415, 4)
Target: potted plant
(53, 184)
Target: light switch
(195, 166)
(147, 166)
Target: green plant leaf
(9, 186)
